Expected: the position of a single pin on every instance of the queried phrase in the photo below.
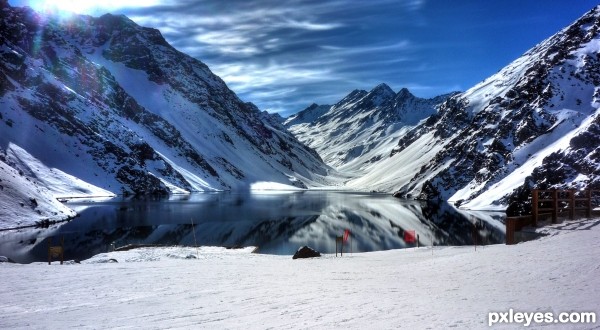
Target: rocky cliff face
(112, 103)
(533, 124)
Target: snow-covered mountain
(362, 128)
(533, 124)
(111, 103)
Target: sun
(90, 7)
(67, 6)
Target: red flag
(409, 236)
(346, 234)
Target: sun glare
(89, 7)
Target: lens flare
(88, 7)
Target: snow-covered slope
(25, 201)
(362, 128)
(533, 124)
(113, 104)
(30, 190)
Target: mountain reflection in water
(277, 223)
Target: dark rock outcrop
(306, 252)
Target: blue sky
(285, 55)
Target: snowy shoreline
(213, 287)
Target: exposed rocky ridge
(524, 112)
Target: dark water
(277, 223)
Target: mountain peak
(116, 20)
(379, 95)
(362, 128)
(404, 93)
(352, 97)
(382, 88)
(311, 107)
(310, 114)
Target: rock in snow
(306, 252)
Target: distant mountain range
(101, 106)
(362, 128)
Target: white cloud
(363, 49)
(244, 78)
(311, 26)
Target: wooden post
(49, 249)
(56, 251)
(534, 206)
(588, 210)
(510, 231)
(62, 250)
(340, 240)
(555, 206)
(474, 234)
(572, 206)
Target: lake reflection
(277, 223)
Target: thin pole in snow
(475, 232)
(195, 242)
(351, 236)
(431, 237)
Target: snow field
(234, 289)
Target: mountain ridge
(361, 127)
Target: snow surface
(265, 185)
(424, 288)
(398, 170)
(24, 202)
(31, 190)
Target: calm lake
(275, 222)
